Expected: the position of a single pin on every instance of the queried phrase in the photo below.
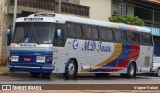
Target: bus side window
(94, 33)
(106, 34)
(59, 35)
(87, 32)
(120, 36)
(71, 30)
(133, 37)
(136, 38)
(146, 39)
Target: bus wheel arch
(71, 68)
(131, 69)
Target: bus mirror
(9, 36)
(59, 33)
(9, 32)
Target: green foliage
(127, 20)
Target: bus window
(106, 34)
(78, 31)
(109, 34)
(133, 37)
(87, 32)
(71, 30)
(120, 36)
(146, 39)
(94, 33)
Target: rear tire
(158, 72)
(131, 72)
(71, 69)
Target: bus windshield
(34, 32)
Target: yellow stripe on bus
(117, 52)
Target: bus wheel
(158, 72)
(131, 73)
(35, 74)
(71, 69)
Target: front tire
(71, 69)
(131, 72)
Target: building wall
(99, 9)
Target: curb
(13, 73)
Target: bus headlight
(14, 58)
(40, 58)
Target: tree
(127, 20)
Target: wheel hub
(71, 68)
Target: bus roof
(68, 18)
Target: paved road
(96, 83)
(81, 79)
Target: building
(27, 7)
(99, 9)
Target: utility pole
(3, 43)
(14, 16)
(59, 6)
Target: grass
(4, 69)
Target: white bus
(54, 43)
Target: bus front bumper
(41, 68)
